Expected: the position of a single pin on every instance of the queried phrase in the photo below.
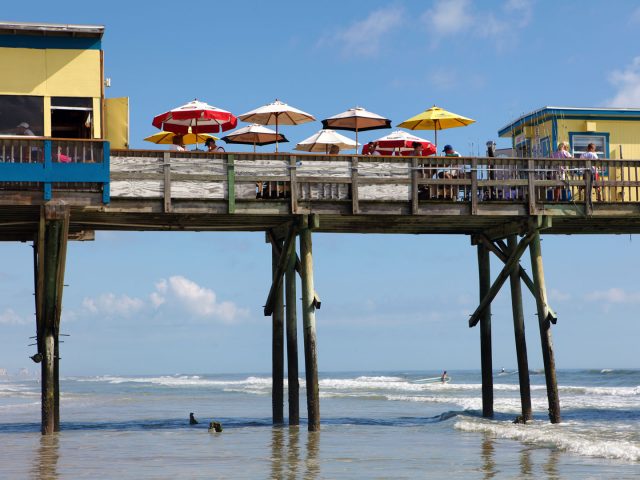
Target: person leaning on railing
(561, 152)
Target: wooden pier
(502, 204)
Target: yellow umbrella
(436, 119)
(166, 138)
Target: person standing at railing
(591, 154)
(450, 172)
(560, 153)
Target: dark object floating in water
(192, 419)
(215, 427)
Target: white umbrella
(355, 120)
(254, 135)
(324, 140)
(277, 113)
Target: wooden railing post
(231, 183)
(293, 184)
(474, 186)
(414, 186)
(48, 164)
(532, 186)
(167, 181)
(355, 206)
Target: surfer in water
(192, 419)
(444, 377)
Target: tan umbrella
(277, 113)
(254, 135)
(436, 118)
(356, 120)
(324, 140)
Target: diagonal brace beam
(502, 248)
(512, 263)
(285, 254)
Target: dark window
(18, 109)
(71, 117)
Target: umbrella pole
(254, 147)
(356, 140)
(276, 133)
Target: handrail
(47, 161)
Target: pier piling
(521, 342)
(49, 262)
(309, 328)
(484, 271)
(545, 329)
(277, 356)
(292, 340)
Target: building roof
(51, 29)
(569, 112)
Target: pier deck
(185, 191)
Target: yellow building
(614, 131)
(53, 82)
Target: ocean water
(373, 425)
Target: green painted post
(309, 330)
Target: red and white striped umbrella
(195, 117)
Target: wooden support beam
(309, 331)
(502, 277)
(499, 248)
(486, 363)
(51, 255)
(277, 344)
(292, 340)
(280, 267)
(520, 338)
(298, 268)
(545, 329)
(474, 186)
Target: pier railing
(54, 167)
(306, 182)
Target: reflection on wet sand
(45, 462)
(551, 465)
(525, 462)
(313, 464)
(286, 461)
(488, 462)
(293, 455)
(277, 451)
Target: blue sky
(179, 302)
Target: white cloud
(558, 295)
(176, 297)
(635, 16)
(199, 301)
(448, 17)
(459, 17)
(627, 84)
(111, 305)
(365, 37)
(614, 295)
(10, 317)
